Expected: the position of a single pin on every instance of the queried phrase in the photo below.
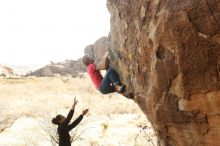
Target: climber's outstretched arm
(75, 123)
(69, 117)
(70, 114)
(78, 120)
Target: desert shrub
(7, 120)
(3, 75)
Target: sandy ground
(112, 120)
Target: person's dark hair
(56, 120)
(85, 59)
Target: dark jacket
(63, 129)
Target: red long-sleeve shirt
(95, 75)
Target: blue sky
(35, 32)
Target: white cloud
(36, 32)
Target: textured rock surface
(98, 49)
(69, 67)
(168, 54)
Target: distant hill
(67, 68)
(6, 71)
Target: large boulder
(89, 51)
(98, 49)
(167, 52)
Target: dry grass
(52, 94)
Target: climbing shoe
(120, 88)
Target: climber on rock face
(110, 82)
(64, 127)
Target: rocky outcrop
(6, 71)
(69, 67)
(98, 49)
(167, 52)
